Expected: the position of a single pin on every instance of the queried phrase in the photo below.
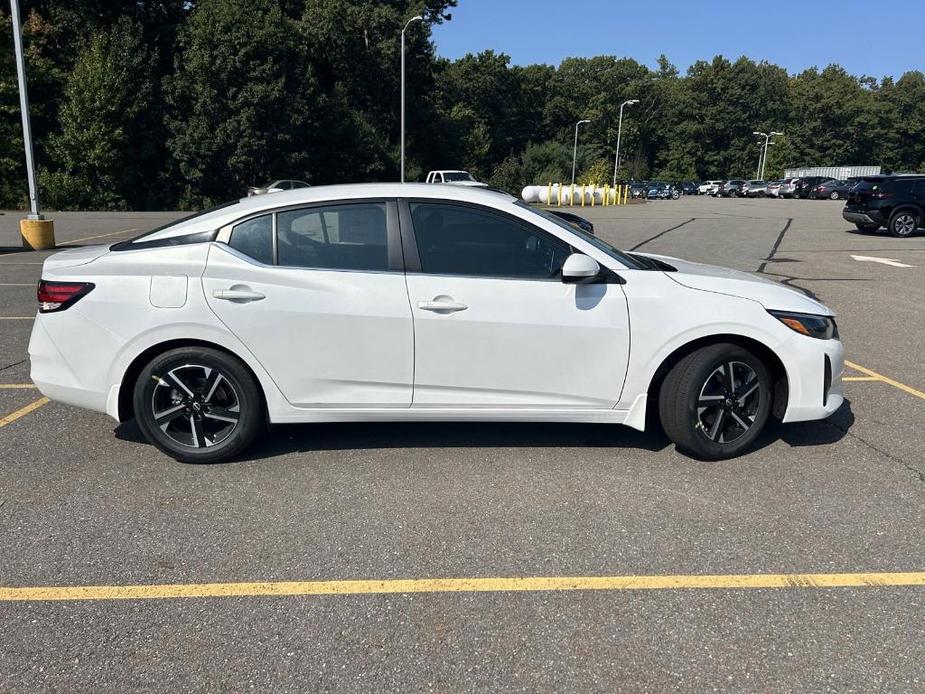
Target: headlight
(822, 327)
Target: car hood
(711, 278)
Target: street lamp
(575, 148)
(37, 232)
(616, 158)
(24, 106)
(416, 18)
(763, 156)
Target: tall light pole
(575, 148)
(24, 107)
(616, 158)
(763, 156)
(764, 160)
(416, 18)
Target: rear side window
(335, 237)
(901, 186)
(254, 238)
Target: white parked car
(709, 187)
(456, 178)
(388, 302)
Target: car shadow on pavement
(294, 438)
(285, 439)
(816, 433)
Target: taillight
(57, 296)
(881, 195)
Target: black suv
(804, 186)
(894, 202)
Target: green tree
(103, 133)
(241, 100)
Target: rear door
(494, 325)
(318, 295)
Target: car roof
(216, 218)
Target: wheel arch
(130, 376)
(780, 387)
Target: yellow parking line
(22, 412)
(860, 378)
(464, 585)
(16, 386)
(99, 236)
(896, 384)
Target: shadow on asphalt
(296, 438)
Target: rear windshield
(135, 242)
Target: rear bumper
(54, 375)
(856, 216)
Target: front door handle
(442, 305)
(239, 295)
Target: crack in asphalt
(662, 233)
(15, 363)
(919, 474)
(788, 280)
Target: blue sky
(870, 37)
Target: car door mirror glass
(579, 267)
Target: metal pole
(616, 157)
(24, 107)
(575, 149)
(402, 145)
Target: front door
(494, 325)
(316, 296)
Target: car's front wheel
(834, 195)
(714, 402)
(198, 405)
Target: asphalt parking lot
(210, 551)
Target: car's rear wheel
(714, 402)
(198, 405)
(903, 223)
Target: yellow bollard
(593, 188)
(606, 193)
(559, 194)
(37, 234)
(549, 193)
(626, 194)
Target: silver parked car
(276, 186)
(755, 189)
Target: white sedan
(388, 302)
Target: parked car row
(807, 187)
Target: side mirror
(578, 268)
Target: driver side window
(458, 240)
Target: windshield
(457, 176)
(598, 243)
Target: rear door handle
(238, 295)
(442, 306)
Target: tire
(834, 195)
(187, 395)
(903, 223)
(710, 431)
(867, 228)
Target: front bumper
(815, 369)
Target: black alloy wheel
(198, 405)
